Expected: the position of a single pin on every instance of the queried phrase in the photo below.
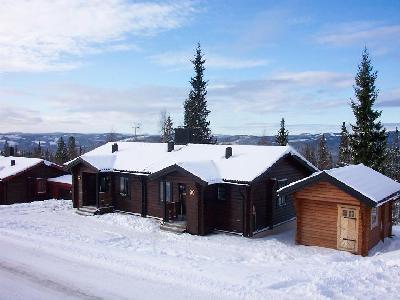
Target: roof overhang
(323, 176)
(176, 168)
(78, 161)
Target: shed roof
(359, 180)
(21, 164)
(207, 162)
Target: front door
(89, 189)
(347, 228)
(181, 209)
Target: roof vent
(170, 146)
(13, 162)
(228, 152)
(114, 147)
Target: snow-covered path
(47, 251)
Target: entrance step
(176, 227)
(87, 211)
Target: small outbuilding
(60, 187)
(347, 208)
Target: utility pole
(136, 126)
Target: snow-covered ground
(47, 251)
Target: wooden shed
(347, 208)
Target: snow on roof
(21, 164)
(207, 162)
(362, 179)
(62, 179)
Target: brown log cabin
(193, 188)
(347, 208)
(24, 179)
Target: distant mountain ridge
(89, 141)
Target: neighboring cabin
(197, 188)
(347, 208)
(24, 179)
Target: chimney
(228, 152)
(12, 162)
(114, 147)
(11, 151)
(170, 146)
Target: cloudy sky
(101, 65)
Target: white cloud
(375, 34)
(179, 60)
(46, 35)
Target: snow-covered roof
(21, 164)
(360, 178)
(67, 179)
(207, 162)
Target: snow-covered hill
(50, 252)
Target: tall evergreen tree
(344, 147)
(168, 130)
(324, 159)
(393, 158)
(196, 112)
(368, 141)
(38, 151)
(72, 153)
(61, 152)
(6, 149)
(283, 135)
(308, 152)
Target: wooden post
(164, 183)
(144, 196)
(201, 221)
(249, 201)
(97, 191)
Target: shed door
(347, 228)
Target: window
(282, 199)
(168, 189)
(349, 213)
(41, 186)
(124, 185)
(104, 184)
(374, 217)
(221, 193)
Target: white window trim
(374, 210)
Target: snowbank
(48, 252)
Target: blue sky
(96, 66)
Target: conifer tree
(168, 130)
(283, 135)
(309, 153)
(344, 147)
(393, 158)
(324, 159)
(6, 149)
(61, 152)
(72, 153)
(196, 112)
(37, 151)
(368, 141)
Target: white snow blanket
(50, 252)
(362, 179)
(66, 179)
(208, 162)
(21, 164)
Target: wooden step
(87, 210)
(179, 227)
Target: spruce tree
(61, 152)
(344, 147)
(168, 130)
(6, 149)
(393, 158)
(308, 152)
(324, 159)
(72, 153)
(283, 135)
(37, 151)
(368, 141)
(196, 112)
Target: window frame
(221, 189)
(374, 217)
(106, 179)
(124, 186)
(281, 200)
(161, 191)
(40, 181)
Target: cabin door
(181, 208)
(347, 228)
